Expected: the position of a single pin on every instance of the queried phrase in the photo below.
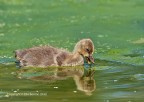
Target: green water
(115, 26)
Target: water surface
(116, 28)
(109, 84)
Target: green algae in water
(116, 28)
(110, 29)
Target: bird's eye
(87, 50)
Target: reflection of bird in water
(44, 56)
(84, 82)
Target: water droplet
(12, 73)
(15, 91)
(6, 95)
(115, 80)
(56, 87)
(20, 77)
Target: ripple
(2, 94)
(139, 76)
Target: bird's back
(37, 56)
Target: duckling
(44, 56)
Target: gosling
(44, 56)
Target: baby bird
(44, 56)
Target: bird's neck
(74, 59)
(76, 55)
(77, 46)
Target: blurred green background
(115, 26)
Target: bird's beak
(90, 59)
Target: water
(116, 28)
(109, 84)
